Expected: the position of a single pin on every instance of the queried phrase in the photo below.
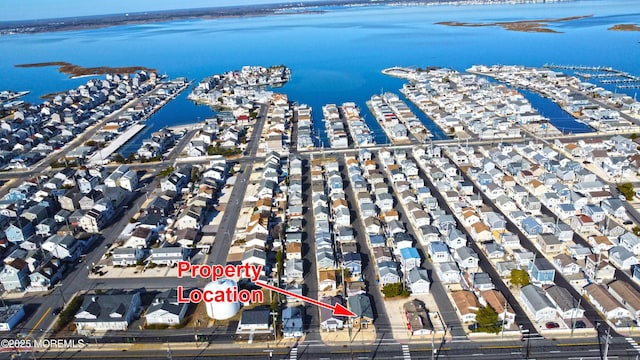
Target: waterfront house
(113, 311)
(538, 303)
(605, 302)
(165, 309)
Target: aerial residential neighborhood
(419, 236)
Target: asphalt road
(484, 263)
(381, 321)
(590, 311)
(312, 321)
(543, 349)
(227, 227)
(437, 290)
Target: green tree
(166, 172)
(394, 289)
(627, 190)
(195, 174)
(487, 319)
(519, 277)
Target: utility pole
(504, 316)
(606, 345)
(573, 326)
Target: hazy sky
(44, 9)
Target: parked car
(580, 324)
(474, 326)
(552, 325)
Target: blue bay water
(334, 56)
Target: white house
(107, 312)
(165, 309)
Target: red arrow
(338, 310)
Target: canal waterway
(335, 56)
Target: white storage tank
(221, 310)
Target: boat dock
(102, 156)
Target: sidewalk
(341, 337)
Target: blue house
(353, 262)
(19, 230)
(541, 271)
(484, 179)
(531, 226)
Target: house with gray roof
(362, 306)
(165, 309)
(113, 311)
(537, 303)
(292, 322)
(566, 304)
(418, 281)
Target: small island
(76, 70)
(521, 25)
(625, 27)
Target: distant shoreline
(102, 21)
(75, 71)
(522, 25)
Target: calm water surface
(336, 56)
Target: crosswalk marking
(633, 343)
(294, 354)
(405, 352)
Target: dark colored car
(474, 326)
(552, 325)
(580, 324)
